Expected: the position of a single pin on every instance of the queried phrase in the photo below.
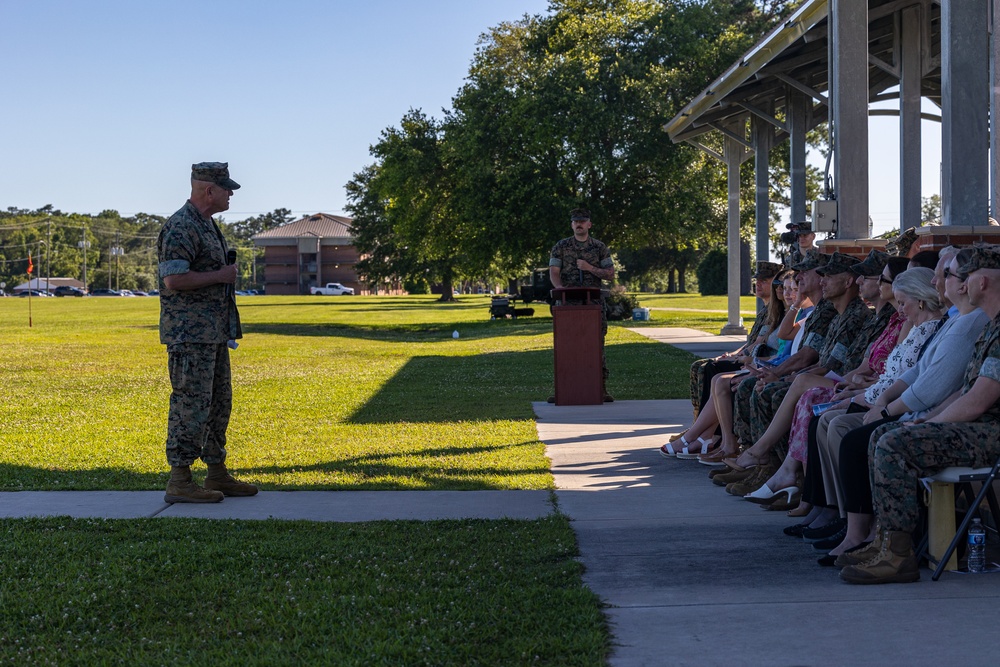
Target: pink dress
(798, 437)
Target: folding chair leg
(973, 511)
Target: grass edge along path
(242, 593)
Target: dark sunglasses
(884, 280)
(777, 284)
(960, 277)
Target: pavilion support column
(994, 111)
(796, 118)
(762, 141)
(849, 113)
(964, 103)
(733, 155)
(911, 68)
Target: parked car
(103, 291)
(140, 293)
(34, 292)
(331, 289)
(68, 290)
(153, 292)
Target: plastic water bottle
(820, 408)
(977, 546)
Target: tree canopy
(560, 111)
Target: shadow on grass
(405, 333)
(483, 387)
(429, 469)
(443, 468)
(502, 385)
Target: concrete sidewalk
(702, 345)
(694, 576)
(346, 506)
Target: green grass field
(330, 393)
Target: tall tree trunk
(671, 285)
(447, 291)
(681, 284)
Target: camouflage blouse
(986, 363)
(190, 242)
(566, 252)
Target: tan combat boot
(219, 479)
(182, 489)
(861, 555)
(895, 563)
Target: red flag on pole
(31, 267)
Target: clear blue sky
(109, 102)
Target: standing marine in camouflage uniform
(703, 370)
(964, 431)
(805, 240)
(583, 261)
(198, 318)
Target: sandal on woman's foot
(715, 457)
(705, 447)
(732, 462)
(670, 451)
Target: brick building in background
(313, 251)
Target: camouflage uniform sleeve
(178, 247)
(556, 256)
(844, 331)
(818, 325)
(986, 363)
(606, 261)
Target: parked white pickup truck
(331, 289)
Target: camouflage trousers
(754, 410)
(899, 455)
(702, 372)
(200, 403)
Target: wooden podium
(576, 333)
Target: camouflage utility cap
(900, 246)
(214, 172)
(579, 214)
(813, 260)
(837, 264)
(982, 257)
(872, 265)
(800, 227)
(767, 270)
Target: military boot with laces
(895, 563)
(219, 479)
(182, 489)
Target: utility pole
(48, 257)
(83, 245)
(117, 251)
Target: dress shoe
(830, 542)
(796, 530)
(827, 561)
(765, 496)
(753, 482)
(895, 563)
(824, 532)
